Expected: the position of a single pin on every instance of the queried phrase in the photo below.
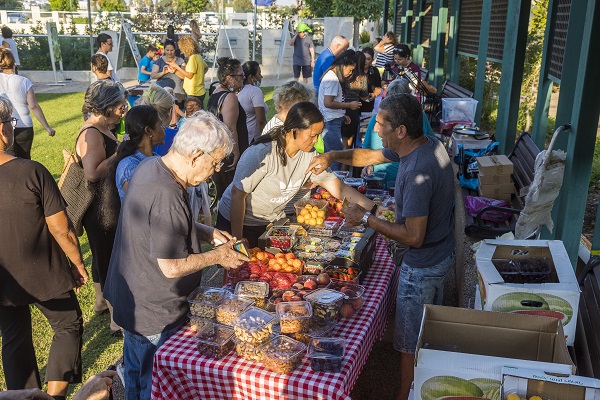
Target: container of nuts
(246, 351)
(255, 291)
(294, 316)
(282, 354)
(231, 307)
(326, 354)
(215, 340)
(204, 300)
(197, 323)
(254, 326)
(326, 304)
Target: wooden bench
(453, 90)
(523, 158)
(586, 349)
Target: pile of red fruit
(285, 295)
(343, 273)
(334, 206)
(354, 297)
(257, 272)
(281, 239)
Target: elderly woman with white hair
(38, 243)
(399, 86)
(157, 259)
(96, 146)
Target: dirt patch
(589, 219)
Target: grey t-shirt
(302, 50)
(425, 187)
(269, 184)
(155, 222)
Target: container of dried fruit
(281, 237)
(204, 301)
(215, 340)
(294, 316)
(231, 307)
(255, 291)
(326, 304)
(317, 328)
(354, 296)
(253, 326)
(282, 354)
(326, 354)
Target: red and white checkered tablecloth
(180, 372)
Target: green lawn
(63, 112)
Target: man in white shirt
(105, 45)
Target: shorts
(306, 71)
(417, 287)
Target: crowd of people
(145, 238)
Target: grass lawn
(63, 112)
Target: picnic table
(180, 372)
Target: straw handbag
(77, 191)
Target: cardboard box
(468, 142)
(461, 352)
(499, 188)
(493, 179)
(494, 194)
(495, 165)
(503, 287)
(527, 382)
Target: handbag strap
(217, 111)
(77, 158)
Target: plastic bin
(326, 354)
(456, 109)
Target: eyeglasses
(13, 122)
(217, 165)
(124, 107)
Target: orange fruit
(320, 221)
(312, 221)
(300, 218)
(321, 214)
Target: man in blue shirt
(325, 59)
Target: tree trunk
(355, 39)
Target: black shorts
(306, 71)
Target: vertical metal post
(484, 34)
(438, 42)
(542, 105)
(453, 70)
(407, 19)
(581, 107)
(417, 53)
(513, 60)
(254, 39)
(386, 16)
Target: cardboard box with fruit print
(533, 277)
(521, 383)
(461, 352)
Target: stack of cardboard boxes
(495, 177)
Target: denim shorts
(332, 137)
(417, 287)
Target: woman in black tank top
(95, 147)
(224, 104)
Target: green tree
(241, 5)
(191, 6)
(64, 5)
(112, 5)
(360, 10)
(317, 8)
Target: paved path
(75, 87)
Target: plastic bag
(467, 161)
(475, 204)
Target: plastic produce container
(311, 216)
(326, 354)
(215, 340)
(231, 307)
(255, 291)
(294, 316)
(326, 304)
(254, 326)
(282, 354)
(281, 237)
(354, 182)
(317, 328)
(354, 299)
(204, 300)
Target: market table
(180, 372)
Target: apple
(316, 196)
(347, 310)
(287, 295)
(323, 279)
(310, 285)
(295, 298)
(362, 189)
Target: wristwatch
(365, 219)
